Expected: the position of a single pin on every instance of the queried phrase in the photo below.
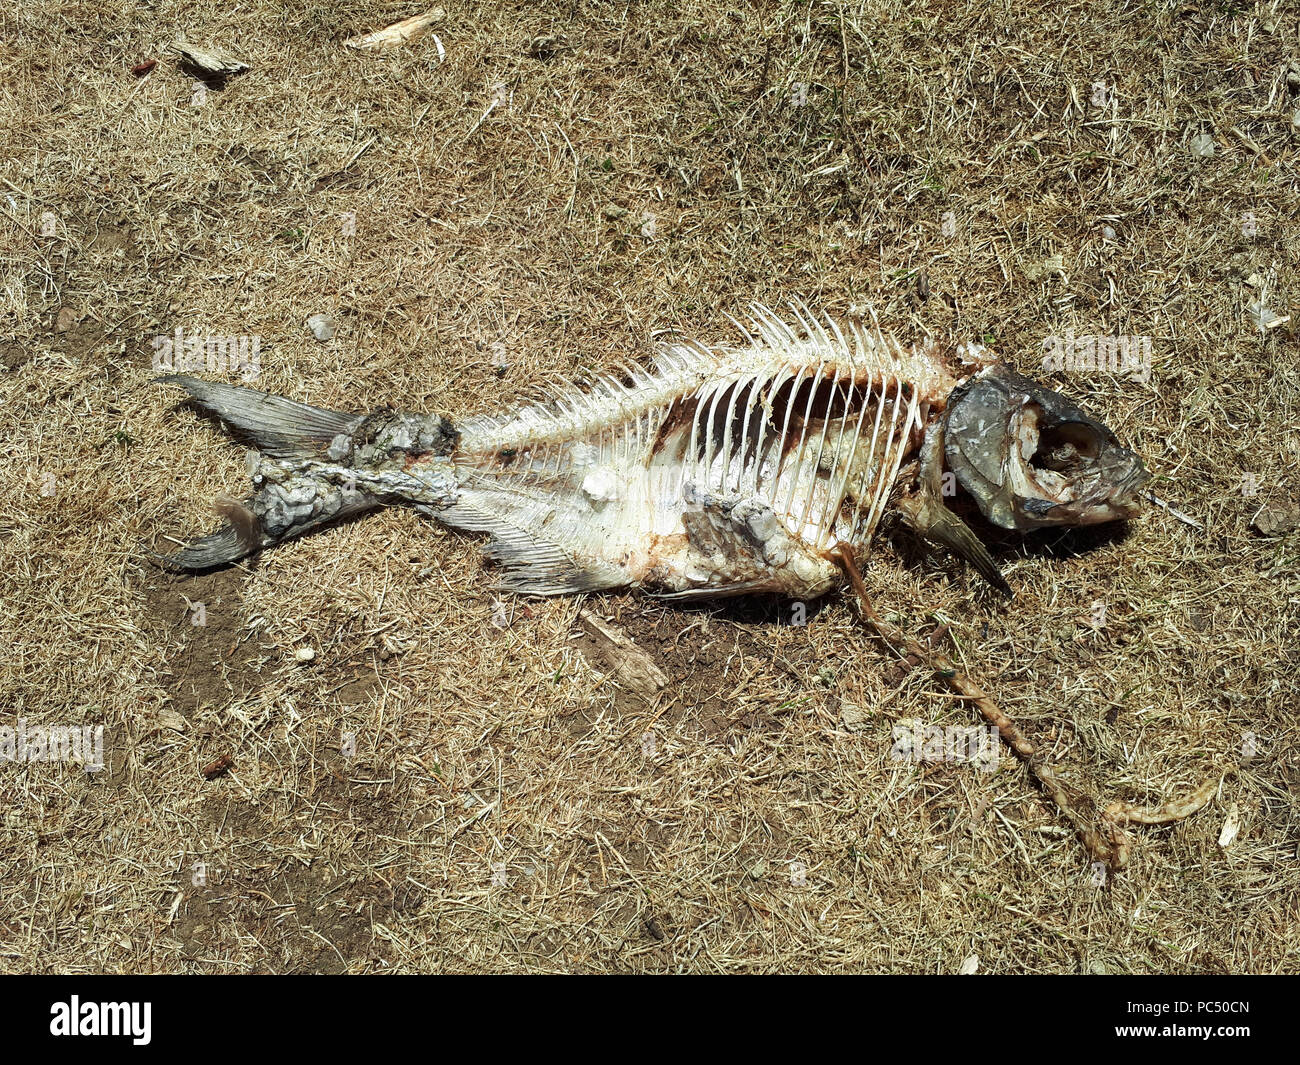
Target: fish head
(1032, 459)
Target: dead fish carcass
(713, 471)
(763, 466)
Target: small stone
(1052, 266)
(172, 720)
(321, 327)
(1274, 519)
(547, 48)
(1107, 233)
(1202, 146)
(970, 966)
(614, 212)
(304, 654)
(758, 870)
(853, 717)
(66, 317)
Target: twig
(1173, 513)
(1107, 844)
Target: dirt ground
(426, 778)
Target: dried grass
(509, 808)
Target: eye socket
(1065, 448)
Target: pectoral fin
(925, 513)
(939, 525)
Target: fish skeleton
(714, 470)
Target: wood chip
(212, 64)
(634, 668)
(399, 33)
(1231, 826)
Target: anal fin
(530, 564)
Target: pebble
(853, 717)
(1273, 519)
(304, 654)
(321, 327)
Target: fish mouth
(1032, 459)
(1071, 474)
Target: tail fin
(228, 544)
(279, 427)
(283, 429)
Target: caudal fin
(282, 429)
(279, 427)
(216, 549)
